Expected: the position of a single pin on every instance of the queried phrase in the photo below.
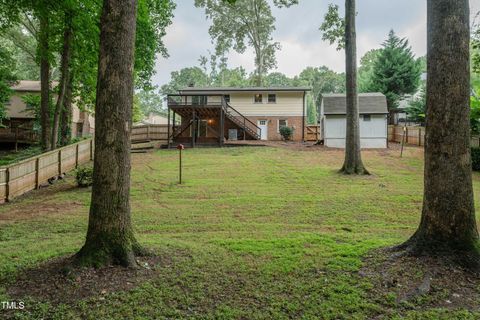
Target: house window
(258, 98)
(227, 98)
(367, 117)
(272, 98)
(282, 123)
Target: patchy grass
(253, 233)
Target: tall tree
(332, 30)
(321, 80)
(110, 237)
(238, 23)
(193, 76)
(44, 47)
(395, 72)
(7, 78)
(65, 74)
(448, 226)
(365, 71)
(476, 45)
(353, 159)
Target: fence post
(148, 132)
(420, 136)
(76, 156)
(60, 162)
(37, 172)
(16, 139)
(7, 184)
(91, 150)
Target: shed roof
(369, 103)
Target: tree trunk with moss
(110, 238)
(353, 160)
(448, 224)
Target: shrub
(84, 176)
(286, 133)
(476, 159)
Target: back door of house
(263, 125)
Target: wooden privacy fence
(150, 132)
(21, 177)
(416, 135)
(413, 135)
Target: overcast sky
(297, 32)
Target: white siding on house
(373, 133)
(287, 104)
(16, 108)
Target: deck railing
(192, 100)
(18, 134)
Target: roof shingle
(368, 103)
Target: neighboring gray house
(373, 120)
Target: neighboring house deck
(19, 125)
(213, 116)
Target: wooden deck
(213, 110)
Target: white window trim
(262, 98)
(278, 124)
(369, 117)
(275, 98)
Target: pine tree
(396, 72)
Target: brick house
(240, 113)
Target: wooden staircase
(242, 122)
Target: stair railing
(233, 114)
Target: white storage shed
(373, 120)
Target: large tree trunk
(45, 81)
(110, 237)
(353, 160)
(66, 115)
(64, 69)
(448, 217)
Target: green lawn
(254, 233)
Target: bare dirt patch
(58, 281)
(23, 209)
(410, 283)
